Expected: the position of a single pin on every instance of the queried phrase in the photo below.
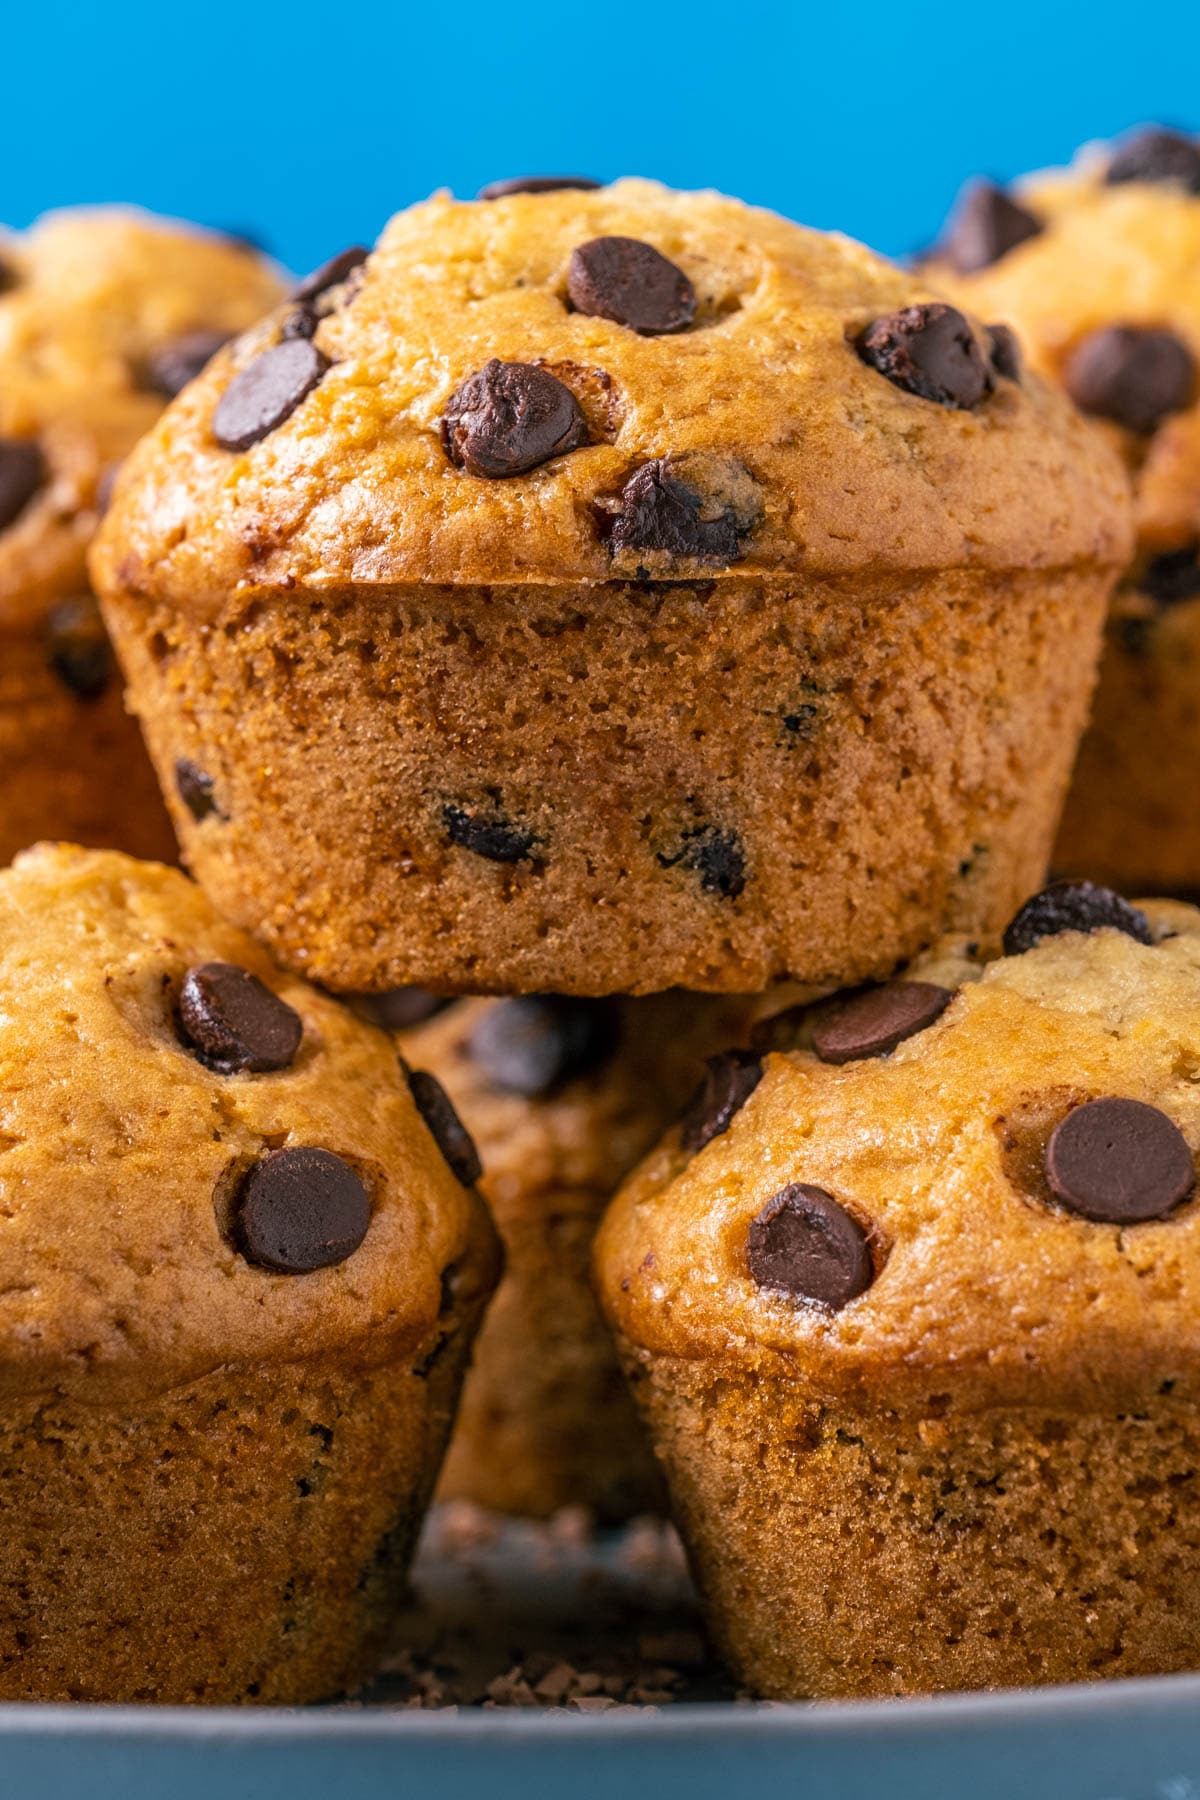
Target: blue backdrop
(308, 124)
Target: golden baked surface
(119, 1148)
(985, 1289)
(830, 466)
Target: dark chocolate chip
(537, 1043)
(1073, 906)
(536, 184)
(807, 1246)
(488, 833)
(234, 1022)
(266, 392)
(77, 648)
(1131, 375)
(400, 1009)
(930, 351)
(195, 789)
(631, 283)
(298, 322)
(331, 273)
(874, 1021)
(300, 1209)
(1157, 155)
(508, 418)
(716, 856)
(729, 1081)
(22, 473)
(986, 225)
(168, 370)
(1005, 352)
(445, 1127)
(659, 511)
(1173, 577)
(1119, 1162)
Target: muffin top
(104, 314)
(624, 382)
(203, 1161)
(973, 1186)
(1098, 268)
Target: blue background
(307, 125)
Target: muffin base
(846, 1553)
(702, 784)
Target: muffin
(104, 314)
(1098, 267)
(603, 590)
(915, 1331)
(562, 1096)
(242, 1267)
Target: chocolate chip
(1157, 155)
(537, 1043)
(300, 1209)
(22, 473)
(1073, 906)
(805, 1245)
(195, 789)
(298, 322)
(1130, 375)
(488, 834)
(168, 370)
(331, 273)
(508, 418)
(400, 1009)
(874, 1021)
(536, 184)
(986, 225)
(930, 351)
(1119, 1162)
(1005, 352)
(266, 392)
(446, 1128)
(631, 283)
(1172, 577)
(729, 1081)
(660, 511)
(234, 1022)
(77, 648)
(716, 856)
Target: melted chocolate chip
(488, 834)
(930, 351)
(631, 283)
(22, 473)
(1073, 906)
(331, 274)
(536, 184)
(716, 856)
(1119, 1162)
(77, 648)
(1157, 155)
(537, 1043)
(300, 1209)
(805, 1245)
(445, 1127)
(1131, 375)
(729, 1081)
(168, 370)
(874, 1021)
(986, 225)
(660, 511)
(1173, 577)
(1005, 352)
(400, 1009)
(195, 789)
(234, 1022)
(266, 392)
(509, 418)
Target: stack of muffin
(673, 629)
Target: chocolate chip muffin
(563, 1096)
(104, 315)
(915, 1328)
(241, 1271)
(1099, 269)
(600, 590)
